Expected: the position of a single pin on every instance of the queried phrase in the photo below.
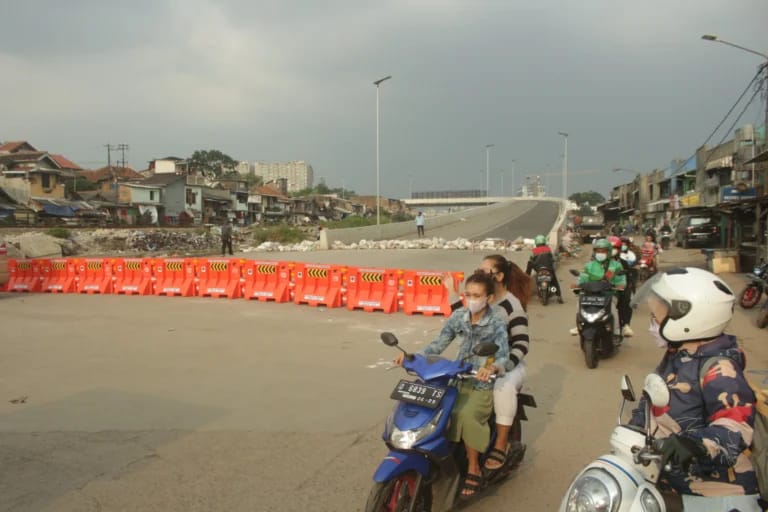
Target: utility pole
(122, 148)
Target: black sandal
(471, 485)
(496, 455)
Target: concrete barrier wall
(556, 234)
(401, 229)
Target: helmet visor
(660, 306)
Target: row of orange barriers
(333, 286)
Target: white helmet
(700, 304)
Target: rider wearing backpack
(706, 430)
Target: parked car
(697, 229)
(3, 265)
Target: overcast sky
(631, 82)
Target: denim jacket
(490, 329)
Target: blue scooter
(423, 470)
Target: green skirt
(469, 419)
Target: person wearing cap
(706, 429)
(542, 258)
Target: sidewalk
(753, 339)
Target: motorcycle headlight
(405, 439)
(593, 317)
(757, 271)
(594, 491)
(649, 502)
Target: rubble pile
(495, 244)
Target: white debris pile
(495, 244)
(305, 246)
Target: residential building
(182, 197)
(141, 203)
(16, 147)
(267, 204)
(168, 165)
(29, 174)
(298, 174)
(107, 179)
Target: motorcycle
(665, 240)
(646, 267)
(544, 286)
(594, 320)
(423, 470)
(752, 293)
(625, 480)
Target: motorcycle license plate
(544, 279)
(587, 300)
(418, 393)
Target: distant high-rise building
(298, 174)
(243, 168)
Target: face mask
(601, 256)
(615, 252)
(476, 305)
(656, 335)
(623, 248)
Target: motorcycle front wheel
(590, 353)
(750, 296)
(395, 495)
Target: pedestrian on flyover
(420, 224)
(226, 237)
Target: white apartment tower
(298, 173)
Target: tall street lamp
(487, 172)
(512, 172)
(501, 174)
(377, 83)
(764, 69)
(565, 164)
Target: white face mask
(615, 252)
(656, 335)
(476, 305)
(601, 256)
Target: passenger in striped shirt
(512, 290)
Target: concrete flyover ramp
(507, 220)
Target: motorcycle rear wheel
(590, 353)
(750, 296)
(395, 495)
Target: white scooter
(625, 479)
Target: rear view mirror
(574, 272)
(626, 389)
(485, 349)
(389, 339)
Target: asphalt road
(186, 404)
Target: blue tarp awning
(59, 211)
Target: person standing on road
(420, 224)
(706, 429)
(226, 238)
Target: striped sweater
(511, 310)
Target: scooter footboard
(397, 463)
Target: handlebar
(473, 374)
(646, 454)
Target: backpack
(758, 451)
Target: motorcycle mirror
(656, 390)
(626, 389)
(574, 272)
(485, 349)
(389, 339)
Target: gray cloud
(632, 83)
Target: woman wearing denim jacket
(476, 323)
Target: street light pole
(513, 179)
(565, 164)
(501, 173)
(487, 172)
(764, 69)
(378, 155)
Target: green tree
(211, 162)
(590, 197)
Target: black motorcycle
(665, 240)
(752, 293)
(544, 286)
(595, 321)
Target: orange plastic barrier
(174, 276)
(219, 278)
(267, 280)
(24, 276)
(59, 275)
(372, 289)
(133, 276)
(317, 284)
(94, 275)
(425, 293)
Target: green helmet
(603, 243)
(540, 240)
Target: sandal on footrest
(497, 456)
(471, 485)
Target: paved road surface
(171, 404)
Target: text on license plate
(418, 393)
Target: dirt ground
(115, 403)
